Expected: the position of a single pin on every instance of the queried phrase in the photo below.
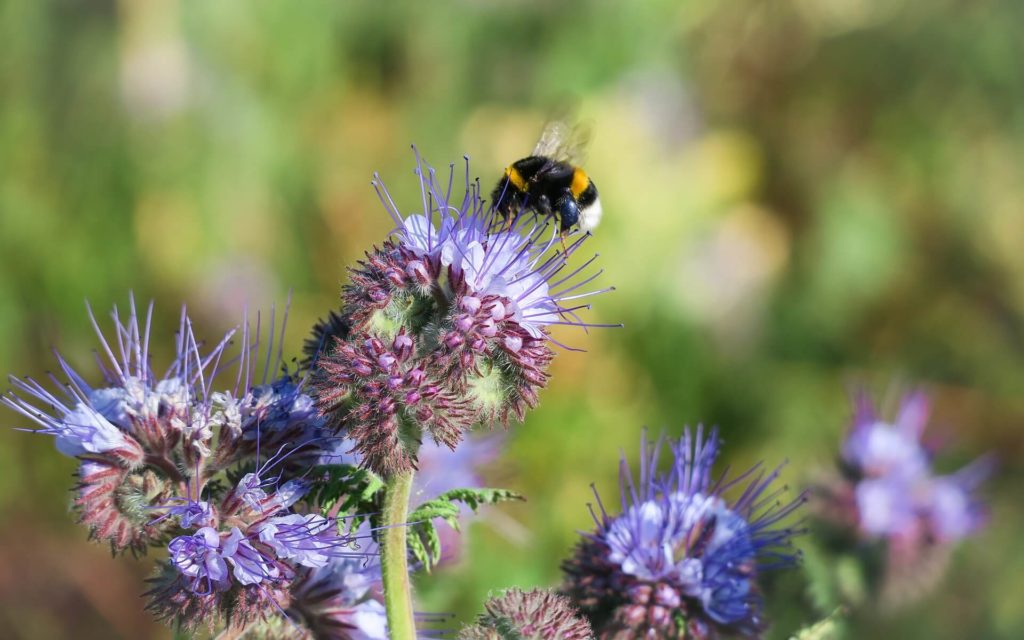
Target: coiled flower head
(531, 615)
(681, 559)
(445, 325)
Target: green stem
(394, 558)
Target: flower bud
(530, 615)
(469, 304)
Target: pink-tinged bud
(387, 406)
(386, 361)
(466, 359)
(415, 377)
(424, 414)
(403, 346)
(394, 382)
(378, 295)
(412, 398)
(453, 340)
(418, 272)
(478, 345)
(498, 311)
(634, 615)
(464, 323)
(488, 328)
(395, 276)
(374, 346)
(470, 304)
(667, 596)
(362, 367)
(429, 391)
(513, 343)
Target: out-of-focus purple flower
(341, 600)
(679, 551)
(896, 493)
(887, 502)
(878, 448)
(440, 469)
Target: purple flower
(522, 263)
(249, 565)
(341, 600)
(956, 511)
(80, 431)
(445, 326)
(134, 411)
(198, 557)
(877, 448)
(680, 551)
(190, 513)
(896, 493)
(307, 539)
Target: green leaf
(828, 628)
(357, 489)
(821, 580)
(424, 541)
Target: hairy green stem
(394, 558)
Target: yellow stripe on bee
(516, 178)
(580, 180)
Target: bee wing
(562, 142)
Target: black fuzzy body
(546, 187)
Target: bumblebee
(550, 182)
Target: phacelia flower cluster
(681, 560)
(888, 493)
(206, 461)
(446, 325)
(530, 615)
(894, 489)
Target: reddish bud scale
(101, 493)
(154, 433)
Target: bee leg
(568, 216)
(561, 236)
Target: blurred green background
(800, 197)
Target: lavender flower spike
(680, 553)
